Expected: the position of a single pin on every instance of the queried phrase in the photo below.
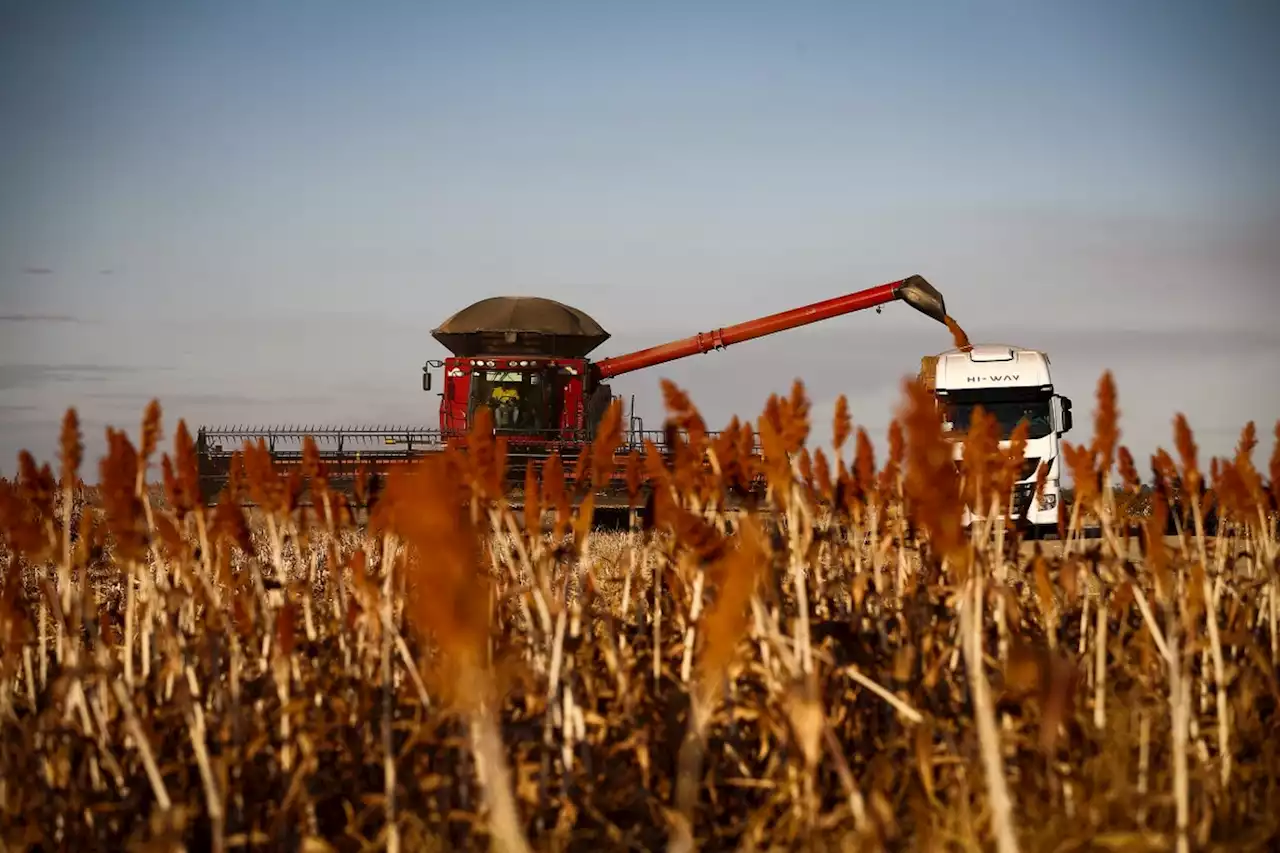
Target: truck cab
(1013, 384)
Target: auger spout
(917, 292)
(914, 290)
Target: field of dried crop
(849, 670)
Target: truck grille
(1023, 493)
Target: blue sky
(258, 211)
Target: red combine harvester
(526, 359)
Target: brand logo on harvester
(1008, 377)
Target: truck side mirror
(1064, 414)
(426, 379)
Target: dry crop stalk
(989, 736)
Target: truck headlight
(1048, 501)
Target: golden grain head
(726, 450)
(1164, 471)
(1128, 470)
(424, 507)
(151, 432)
(735, 573)
(36, 484)
(532, 498)
(313, 468)
(932, 483)
(822, 476)
(1006, 466)
(864, 463)
(553, 482)
(120, 502)
(1184, 441)
(1248, 443)
(1250, 480)
(1106, 430)
(72, 449)
(775, 461)
(683, 416)
(265, 484)
(1042, 478)
(1233, 493)
(981, 446)
(804, 467)
(486, 455)
(22, 528)
(229, 524)
(608, 438)
(795, 418)
(842, 423)
(186, 465)
(1084, 473)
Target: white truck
(1013, 384)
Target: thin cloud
(211, 399)
(13, 376)
(38, 271)
(38, 318)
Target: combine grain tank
(520, 325)
(526, 359)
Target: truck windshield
(1007, 415)
(518, 399)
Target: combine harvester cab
(1013, 384)
(525, 359)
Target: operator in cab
(505, 402)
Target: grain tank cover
(520, 325)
